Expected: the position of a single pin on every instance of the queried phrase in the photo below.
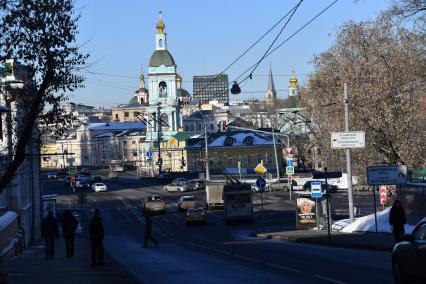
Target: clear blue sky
(204, 37)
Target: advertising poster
(306, 216)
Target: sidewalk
(369, 241)
(33, 267)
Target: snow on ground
(367, 224)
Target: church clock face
(162, 89)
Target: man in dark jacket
(397, 220)
(69, 225)
(148, 231)
(96, 238)
(49, 230)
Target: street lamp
(206, 144)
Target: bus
(238, 202)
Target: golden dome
(293, 80)
(160, 25)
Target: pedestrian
(96, 239)
(49, 231)
(397, 220)
(69, 225)
(148, 231)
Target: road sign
(316, 189)
(149, 154)
(261, 183)
(344, 140)
(72, 170)
(387, 175)
(260, 169)
(383, 195)
(289, 170)
(159, 163)
(319, 175)
(289, 163)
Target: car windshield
(156, 198)
(189, 198)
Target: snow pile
(367, 224)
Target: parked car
(176, 187)
(99, 186)
(409, 256)
(154, 204)
(282, 184)
(83, 184)
(197, 184)
(330, 189)
(180, 180)
(186, 202)
(52, 175)
(195, 215)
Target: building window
(126, 114)
(229, 141)
(199, 127)
(319, 165)
(249, 160)
(160, 43)
(162, 89)
(248, 141)
(269, 159)
(309, 151)
(116, 116)
(136, 114)
(164, 122)
(124, 142)
(133, 142)
(319, 151)
(135, 153)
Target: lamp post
(206, 145)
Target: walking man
(397, 220)
(96, 239)
(49, 230)
(69, 225)
(148, 231)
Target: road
(217, 252)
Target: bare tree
(41, 35)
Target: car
(330, 187)
(176, 187)
(96, 179)
(154, 204)
(99, 186)
(195, 215)
(197, 184)
(83, 185)
(186, 202)
(85, 171)
(282, 184)
(164, 177)
(409, 256)
(52, 175)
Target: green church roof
(161, 57)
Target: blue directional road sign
(316, 189)
(289, 163)
(149, 154)
(261, 183)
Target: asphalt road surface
(216, 252)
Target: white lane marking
(283, 267)
(328, 279)
(246, 258)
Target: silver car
(186, 202)
(176, 187)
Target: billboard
(305, 212)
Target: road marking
(282, 267)
(328, 279)
(246, 258)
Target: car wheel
(398, 274)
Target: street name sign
(387, 175)
(316, 189)
(345, 140)
(260, 169)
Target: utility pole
(207, 151)
(276, 156)
(348, 155)
(160, 161)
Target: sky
(204, 38)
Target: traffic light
(73, 181)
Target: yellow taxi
(195, 215)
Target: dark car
(196, 184)
(330, 187)
(409, 256)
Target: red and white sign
(290, 176)
(383, 195)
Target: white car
(176, 187)
(99, 186)
(51, 175)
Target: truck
(238, 202)
(214, 196)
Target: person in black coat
(69, 225)
(96, 238)
(49, 230)
(148, 231)
(397, 220)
